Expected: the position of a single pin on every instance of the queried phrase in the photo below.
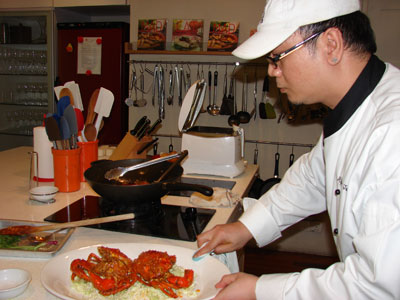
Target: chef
(322, 51)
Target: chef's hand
(223, 238)
(239, 286)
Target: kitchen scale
(166, 221)
(212, 150)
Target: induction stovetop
(166, 221)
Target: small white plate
(43, 193)
(13, 282)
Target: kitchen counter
(15, 205)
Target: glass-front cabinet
(26, 74)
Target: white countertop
(15, 205)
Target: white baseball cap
(281, 18)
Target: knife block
(128, 147)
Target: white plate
(56, 275)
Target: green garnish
(11, 242)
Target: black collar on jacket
(364, 85)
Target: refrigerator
(92, 55)
(26, 74)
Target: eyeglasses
(279, 56)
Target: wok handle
(180, 186)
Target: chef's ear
(334, 45)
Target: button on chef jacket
(353, 172)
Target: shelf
(129, 49)
(24, 105)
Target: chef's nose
(274, 71)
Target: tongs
(116, 173)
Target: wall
(264, 130)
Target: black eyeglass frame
(285, 53)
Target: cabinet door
(385, 20)
(25, 3)
(68, 3)
(26, 73)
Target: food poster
(223, 36)
(89, 55)
(152, 34)
(187, 34)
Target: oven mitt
(220, 198)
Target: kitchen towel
(42, 146)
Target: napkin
(220, 198)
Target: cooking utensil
(269, 183)
(145, 146)
(243, 116)
(262, 109)
(209, 107)
(140, 102)
(103, 107)
(180, 85)
(291, 159)
(153, 126)
(62, 104)
(79, 120)
(92, 103)
(170, 99)
(182, 155)
(116, 173)
(67, 92)
(161, 93)
(215, 108)
(142, 198)
(269, 108)
(225, 109)
(254, 112)
(233, 119)
(53, 131)
(192, 105)
(138, 125)
(142, 132)
(129, 100)
(70, 116)
(26, 229)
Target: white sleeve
(300, 194)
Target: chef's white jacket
(354, 173)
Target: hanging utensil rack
(251, 141)
(187, 62)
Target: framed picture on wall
(223, 36)
(152, 34)
(187, 34)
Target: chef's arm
(301, 193)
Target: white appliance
(212, 150)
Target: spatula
(67, 92)
(26, 229)
(53, 131)
(103, 107)
(62, 104)
(70, 116)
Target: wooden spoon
(26, 229)
(92, 103)
(90, 132)
(67, 92)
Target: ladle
(233, 119)
(140, 102)
(209, 107)
(215, 108)
(129, 100)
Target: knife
(147, 145)
(138, 125)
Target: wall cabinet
(25, 4)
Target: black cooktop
(165, 221)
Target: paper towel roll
(42, 145)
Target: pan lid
(191, 105)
